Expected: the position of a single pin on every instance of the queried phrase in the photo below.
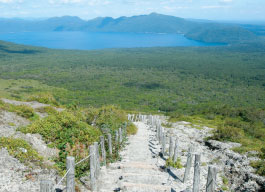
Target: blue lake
(88, 41)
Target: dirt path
(143, 170)
(137, 172)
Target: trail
(138, 170)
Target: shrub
(46, 98)
(112, 118)
(21, 150)
(177, 164)
(69, 132)
(21, 110)
(260, 166)
(228, 133)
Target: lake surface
(88, 41)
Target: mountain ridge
(212, 32)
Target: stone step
(144, 178)
(136, 187)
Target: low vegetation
(71, 131)
(21, 110)
(177, 164)
(21, 150)
(46, 98)
(218, 86)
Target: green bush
(21, 150)
(229, 133)
(260, 166)
(113, 118)
(46, 98)
(68, 132)
(21, 110)
(177, 164)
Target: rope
(83, 159)
(61, 179)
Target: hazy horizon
(216, 10)
(254, 22)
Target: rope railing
(155, 124)
(94, 156)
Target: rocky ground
(15, 176)
(141, 168)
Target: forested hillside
(221, 86)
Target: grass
(71, 132)
(21, 110)
(177, 164)
(21, 150)
(26, 89)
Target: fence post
(103, 151)
(120, 135)
(211, 179)
(196, 178)
(170, 147)
(46, 186)
(157, 132)
(92, 154)
(188, 166)
(97, 163)
(176, 151)
(163, 144)
(70, 179)
(116, 137)
(110, 143)
(160, 134)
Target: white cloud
(11, 1)
(213, 6)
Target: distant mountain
(153, 23)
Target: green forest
(222, 86)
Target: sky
(249, 10)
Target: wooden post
(93, 185)
(175, 158)
(188, 166)
(211, 179)
(160, 134)
(103, 151)
(163, 144)
(110, 144)
(170, 146)
(97, 163)
(120, 135)
(46, 186)
(116, 137)
(70, 178)
(196, 178)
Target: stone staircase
(137, 172)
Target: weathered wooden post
(157, 132)
(70, 178)
(103, 151)
(160, 134)
(188, 166)
(170, 147)
(163, 144)
(211, 179)
(92, 154)
(97, 163)
(120, 135)
(116, 137)
(175, 158)
(196, 178)
(46, 186)
(110, 143)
